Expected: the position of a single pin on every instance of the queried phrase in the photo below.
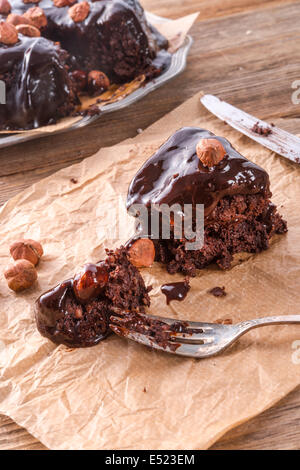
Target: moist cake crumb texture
(65, 319)
(261, 130)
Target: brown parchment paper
(174, 30)
(120, 395)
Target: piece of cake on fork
(77, 311)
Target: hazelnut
(142, 253)
(90, 282)
(17, 19)
(8, 34)
(20, 275)
(5, 7)
(37, 17)
(79, 12)
(97, 82)
(27, 249)
(210, 152)
(63, 3)
(28, 30)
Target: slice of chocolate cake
(38, 87)
(196, 167)
(76, 312)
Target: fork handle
(245, 326)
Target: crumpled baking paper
(121, 395)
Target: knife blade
(279, 141)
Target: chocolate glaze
(65, 317)
(175, 291)
(38, 87)
(51, 309)
(114, 38)
(175, 175)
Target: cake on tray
(39, 89)
(196, 167)
(103, 42)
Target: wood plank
(247, 53)
(207, 8)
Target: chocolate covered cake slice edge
(239, 215)
(76, 312)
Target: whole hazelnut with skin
(36, 16)
(27, 249)
(5, 7)
(97, 82)
(210, 152)
(8, 34)
(142, 253)
(90, 282)
(17, 19)
(21, 275)
(79, 12)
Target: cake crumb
(218, 291)
(74, 180)
(145, 390)
(260, 130)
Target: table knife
(279, 141)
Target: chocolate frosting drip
(77, 311)
(32, 68)
(175, 175)
(114, 38)
(51, 310)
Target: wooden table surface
(245, 51)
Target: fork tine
(173, 336)
(197, 351)
(189, 324)
(140, 338)
(206, 327)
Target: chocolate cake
(106, 41)
(38, 88)
(76, 312)
(196, 167)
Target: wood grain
(246, 52)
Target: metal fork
(190, 339)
